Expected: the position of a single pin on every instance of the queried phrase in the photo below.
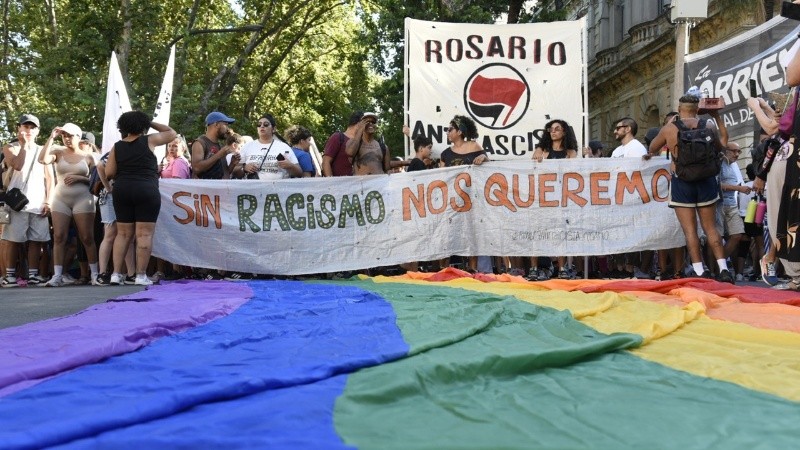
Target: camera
(790, 10)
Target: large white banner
(508, 208)
(164, 102)
(510, 79)
(117, 102)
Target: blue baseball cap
(217, 116)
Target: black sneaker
(104, 279)
(725, 277)
(129, 279)
(706, 274)
(214, 276)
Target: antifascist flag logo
(496, 96)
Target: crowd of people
(97, 213)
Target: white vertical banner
(164, 103)
(511, 79)
(117, 102)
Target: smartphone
(753, 89)
(790, 10)
(280, 157)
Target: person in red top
(335, 162)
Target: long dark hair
(570, 142)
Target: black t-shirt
(416, 164)
(556, 154)
(452, 158)
(217, 171)
(135, 161)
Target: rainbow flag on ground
(420, 361)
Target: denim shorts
(693, 194)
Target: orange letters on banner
(634, 183)
(572, 194)
(545, 188)
(424, 197)
(596, 188)
(531, 191)
(660, 173)
(203, 208)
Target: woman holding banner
(464, 150)
(558, 142)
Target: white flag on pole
(117, 102)
(164, 104)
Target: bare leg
(144, 245)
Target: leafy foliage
(301, 61)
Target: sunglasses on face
(619, 126)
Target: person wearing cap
(71, 199)
(369, 156)
(208, 156)
(30, 224)
(695, 199)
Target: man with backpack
(696, 149)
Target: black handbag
(14, 197)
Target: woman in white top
(268, 157)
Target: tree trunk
(514, 7)
(50, 6)
(124, 47)
(9, 99)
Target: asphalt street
(21, 305)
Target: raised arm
(164, 135)
(49, 153)
(765, 115)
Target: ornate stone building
(631, 56)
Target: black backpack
(698, 157)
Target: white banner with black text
(511, 79)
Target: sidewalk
(22, 305)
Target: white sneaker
(55, 282)
(94, 281)
(116, 279)
(9, 282)
(143, 281)
(67, 279)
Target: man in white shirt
(29, 224)
(625, 133)
(629, 263)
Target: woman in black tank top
(558, 142)
(137, 201)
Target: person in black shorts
(137, 202)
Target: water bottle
(761, 209)
(752, 206)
